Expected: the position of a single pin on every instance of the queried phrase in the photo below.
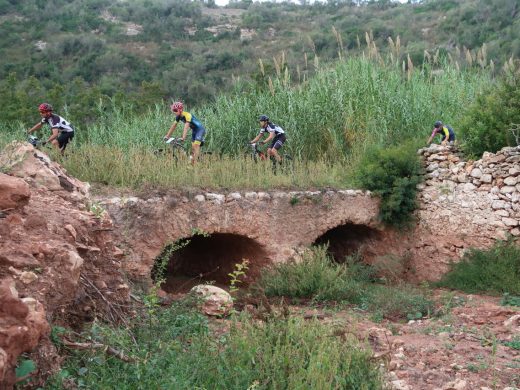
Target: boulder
(14, 192)
(214, 300)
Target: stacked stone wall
(476, 198)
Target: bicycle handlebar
(173, 141)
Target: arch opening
(347, 240)
(203, 259)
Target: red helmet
(45, 107)
(177, 106)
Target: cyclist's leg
(275, 147)
(63, 139)
(197, 138)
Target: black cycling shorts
(64, 138)
(278, 141)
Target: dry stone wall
(479, 198)
(463, 204)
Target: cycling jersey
(187, 117)
(445, 132)
(272, 128)
(57, 122)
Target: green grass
(138, 168)
(317, 277)
(175, 349)
(493, 271)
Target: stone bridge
(462, 205)
(220, 230)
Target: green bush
(496, 270)
(392, 173)
(487, 123)
(315, 276)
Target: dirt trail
(474, 346)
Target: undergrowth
(177, 350)
(493, 271)
(316, 276)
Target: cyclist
(447, 133)
(62, 130)
(197, 130)
(276, 134)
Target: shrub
(488, 122)
(315, 276)
(395, 302)
(495, 270)
(319, 278)
(392, 173)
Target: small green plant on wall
(238, 275)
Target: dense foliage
(489, 123)
(174, 348)
(393, 173)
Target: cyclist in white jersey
(62, 130)
(276, 134)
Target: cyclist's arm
(55, 133)
(271, 136)
(35, 127)
(256, 138)
(434, 133)
(185, 131)
(172, 128)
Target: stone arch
(347, 239)
(209, 258)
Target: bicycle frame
(177, 147)
(257, 153)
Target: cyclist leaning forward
(62, 130)
(276, 134)
(189, 120)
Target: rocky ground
(472, 346)
(471, 343)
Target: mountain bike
(257, 154)
(179, 150)
(36, 142)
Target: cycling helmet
(33, 140)
(45, 107)
(177, 106)
(437, 124)
(263, 118)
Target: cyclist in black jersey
(276, 134)
(62, 130)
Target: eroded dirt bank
(58, 262)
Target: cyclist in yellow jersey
(446, 132)
(189, 120)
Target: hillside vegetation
(75, 53)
